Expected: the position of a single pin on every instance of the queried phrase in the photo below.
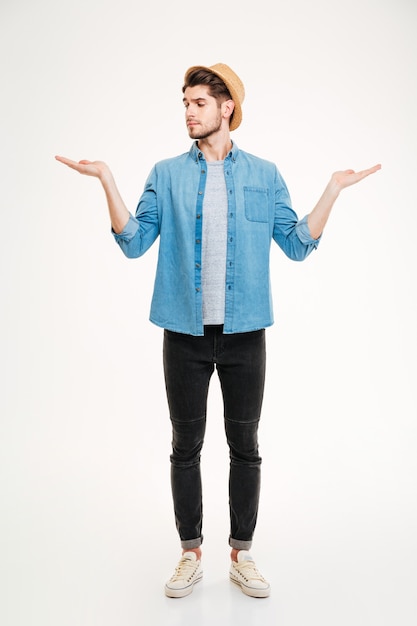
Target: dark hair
(217, 88)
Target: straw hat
(232, 82)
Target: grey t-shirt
(214, 244)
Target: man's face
(202, 112)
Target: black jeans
(189, 362)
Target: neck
(215, 148)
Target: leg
(241, 368)
(188, 366)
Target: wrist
(106, 177)
(334, 187)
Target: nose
(190, 111)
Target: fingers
(74, 164)
(346, 178)
(359, 175)
(64, 159)
(370, 170)
(90, 168)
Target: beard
(202, 131)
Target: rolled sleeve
(303, 233)
(128, 232)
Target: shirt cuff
(304, 234)
(129, 230)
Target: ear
(227, 108)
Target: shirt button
(198, 216)
(198, 241)
(197, 288)
(203, 171)
(200, 193)
(198, 265)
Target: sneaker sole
(185, 591)
(253, 592)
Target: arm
(119, 215)
(318, 217)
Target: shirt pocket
(256, 204)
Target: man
(216, 210)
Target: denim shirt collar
(196, 154)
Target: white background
(87, 530)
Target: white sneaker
(245, 574)
(187, 573)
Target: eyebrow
(194, 99)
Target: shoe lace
(185, 568)
(249, 570)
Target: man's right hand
(119, 215)
(99, 169)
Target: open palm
(346, 178)
(89, 168)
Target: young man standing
(216, 210)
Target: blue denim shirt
(259, 210)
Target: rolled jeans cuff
(237, 544)
(191, 543)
